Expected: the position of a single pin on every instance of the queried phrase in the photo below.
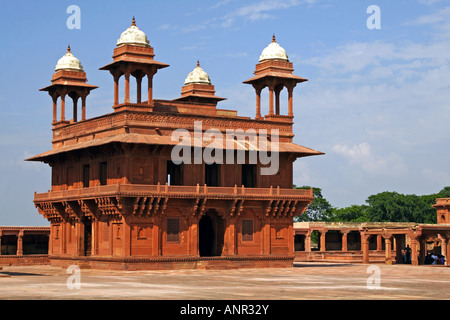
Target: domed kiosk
(198, 88)
(133, 56)
(69, 79)
(275, 72)
(69, 62)
(133, 36)
(273, 52)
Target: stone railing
(166, 190)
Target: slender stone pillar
(63, 107)
(55, 109)
(447, 256)
(271, 89)
(388, 249)
(323, 246)
(365, 247)
(290, 103)
(308, 242)
(344, 241)
(20, 243)
(414, 257)
(116, 90)
(258, 103)
(379, 242)
(127, 87)
(83, 108)
(150, 89)
(75, 109)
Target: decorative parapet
(150, 200)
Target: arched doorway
(211, 235)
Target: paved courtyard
(304, 281)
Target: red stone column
(75, 109)
(308, 242)
(83, 107)
(232, 237)
(344, 241)
(323, 246)
(388, 249)
(194, 237)
(379, 242)
(447, 256)
(156, 234)
(271, 89)
(291, 100)
(365, 247)
(126, 237)
(150, 90)
(127, 87)
(20, 243)
(258, 103)
(116, 90)
(55, 109)
(414, 257)
(63, 107)
(291, 235)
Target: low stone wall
(14, 260)
(173, 263)
(338, 256)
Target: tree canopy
(382, 207)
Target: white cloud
(261, 10)
(362, 156)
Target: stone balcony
(148, 200)
(133, 190)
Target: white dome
(69, 62)
(197, 76)
(273, 52)
(134, 36)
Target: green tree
(396, 207)
(319, 210)
(353, 213)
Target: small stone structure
(24, 245)
(382, 242)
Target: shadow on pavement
(314, 264)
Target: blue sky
(377, 102)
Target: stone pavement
(304, 281)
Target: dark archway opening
(35, 244)
(211, 235)
(87, 237)
(9, 245)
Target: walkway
(305, 281)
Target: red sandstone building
(24, 245)
(118, 200)
(374, 242)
